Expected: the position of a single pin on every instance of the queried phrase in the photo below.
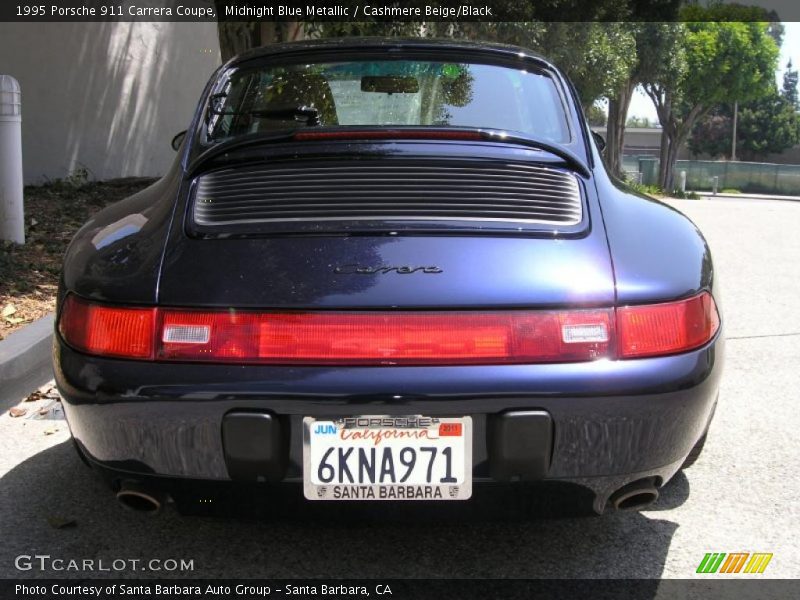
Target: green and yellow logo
(736, 562)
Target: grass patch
(53, 213)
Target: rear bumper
(611, 421)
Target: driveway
(742, 496)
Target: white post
(12, 218)
(733, 137)
(683, 181)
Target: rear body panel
(533, 268)
(610, 422)
(613, 421)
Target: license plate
(380, 457)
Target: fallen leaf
(34, 222)
(14, 320)
(51, 431)
(17, 412)
(61, 522)
(8, 310)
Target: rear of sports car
(388, 271)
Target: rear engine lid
(358, 194)
(392, 233)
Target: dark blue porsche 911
(388, 270)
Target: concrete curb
(25, 361)
(723, 196)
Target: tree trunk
(676, 138)
(615, 129)
(275, 32)
(235, 38)
(668, 167)
(667, 141)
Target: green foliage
(766, 125)
(723, 60)
(596, 115)
(661, 59)
(727, 60)
(681, 195)
(711, 135)
(638, 122)
(597, 56)
(649, 190)
(789, 90)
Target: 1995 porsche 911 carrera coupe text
(388, 270)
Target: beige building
(107, 97)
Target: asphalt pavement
(741, 496)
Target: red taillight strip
(388, 338)
(388, 134)
(667, 328)
(108, 330)
(385, 337)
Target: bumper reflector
(388, 337)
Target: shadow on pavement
(501, 532)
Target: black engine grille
(326, 194)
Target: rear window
(387, 93)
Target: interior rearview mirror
(389, 84)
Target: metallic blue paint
(614, 420)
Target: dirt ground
(53, 213)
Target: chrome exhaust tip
(136, 497)
(635, 495)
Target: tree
(711, 135)
(789, 90)
(766, 125)
(724, 60)
(236, 37)
(657, 57)
(595, 56)
(638, 122)
(596, 115)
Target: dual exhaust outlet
(635, 495)
(630, 497)
(137, 497)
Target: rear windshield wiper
(308, 113)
